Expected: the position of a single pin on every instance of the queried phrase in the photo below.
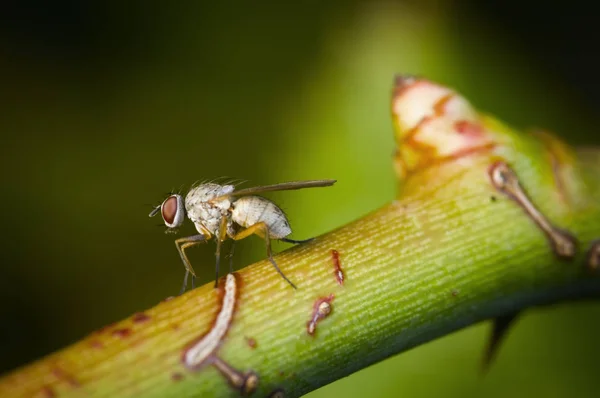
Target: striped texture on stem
(473, 235)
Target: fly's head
(173, 212)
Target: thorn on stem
(500, 328)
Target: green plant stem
(449, 252)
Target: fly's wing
(284, 186)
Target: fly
(221, 212)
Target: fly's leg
(222, 236)
(182, 244)
(296, 241)
(261, 230)
(185, 278)
(231, 250)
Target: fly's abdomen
(250, 210)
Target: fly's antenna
(154, 211)
(156, 208)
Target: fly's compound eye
(173, 211)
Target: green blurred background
(108, 105)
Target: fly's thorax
(206, 192)
(250, 210)
(202, 212)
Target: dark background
(105, 106)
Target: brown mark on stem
(47, 392)
(245, 383)
(96, 344)
(434, 125)
(337, 266)
(176, 376)
(122, 332)
(468, 128)
(251, 341)
(401, 82)
(593, 255)
(321, 309)
(506, 181)
(557, 156)
(61, 375)
(140, 317)
(279, 393)
(203, 351)
(462, 153)
(439, 109)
